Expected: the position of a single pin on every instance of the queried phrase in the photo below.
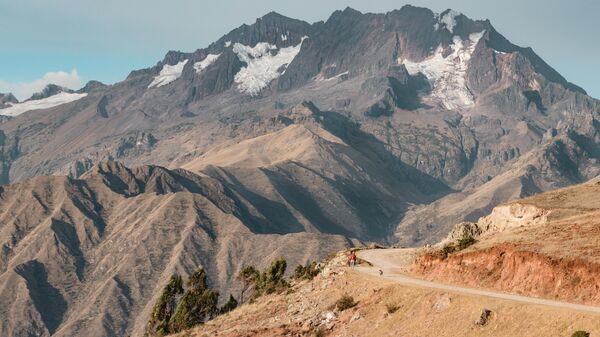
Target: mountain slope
(90, 256)
(331, 184)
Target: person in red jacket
(352, 259)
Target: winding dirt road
(394, 263)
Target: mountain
(365, 127)
(51, 96)
(90, 256)
(7, 100)
(49, 90)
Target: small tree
(448, 249)
(392, 308)
(231, 304)
(197, 305)
(271, 279)
(466, 241)
(345, 302)
(164, 307)
(268, 281)
(307, 272)
(248, 276)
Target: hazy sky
(73, 41)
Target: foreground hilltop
(544, 246)
(382, 306)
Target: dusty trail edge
(392, 271)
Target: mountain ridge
(365, 127)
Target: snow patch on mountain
(322, 78)
(208, 60)
(44, 103)
(227, 44)
(449, 20)
(447, 75)
(264, 63)
(168, 74)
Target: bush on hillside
(197, 305)
(248, 276)
(581, 333)
(345, 302)
(165, 307)
(466, 241)
(266, 282)
(448, 249)
(391, 308)
(271, 279)
(320, 332)
(307, 272)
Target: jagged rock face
(447, 96)
(385, 70)
(92, 85)
(49, 90)
(6, 99)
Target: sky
(69, 42)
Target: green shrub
(345, 302)
(267, 282)
(448, 249)
(307, 272)
(271, 279)
(197, 305)
(248, 276)
(391, 308)
(466, 241)
(581, 333)
(164, 307)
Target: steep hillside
(90, 256)
(312, 172)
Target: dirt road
(393, 263)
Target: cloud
(24, 90)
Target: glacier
(45, 103)
(447, 75)
(168, 74)
(208, 60)
(263, 64)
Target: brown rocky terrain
(544, 246)
(89, 256)
(310, 307)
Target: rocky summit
(282, 138)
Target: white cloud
(24, 90)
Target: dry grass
(418, 316)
